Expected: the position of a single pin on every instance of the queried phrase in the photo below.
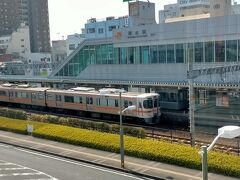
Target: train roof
(23, 87)
(106, 93)
(80, 90)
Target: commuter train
(85, 100)
(173, 99)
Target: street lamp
(228, 132)
(121, 127)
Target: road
(17, 164)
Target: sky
(69, 16)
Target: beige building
(220, 8)
(59, 51)
(191, 8)
(19, 43)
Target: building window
(123, 52)
(162, 53)
(179, 53)
(170, 53)
(130, 55)
(220, 51)
(71, 46)
(100, 31)
(111, 28)
(145, 55)
(231, 50)
(209, 51)
(91, 30)
(216, 6)
(154, 54)
(198, 51)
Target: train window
(41, 96)
(116, 103)
(111, 102)
(58, 98)
(163, 96)
(34, 96)
(68, 99)
(172, 97)
(50, 97)
(89, 100)
(76, 99)
(130, 103)
(148, 104)
(3, 93)
(180, 96)
(125, 103)
(98, 101)
(155, 102)
(24, 95)
(103, 102)
(80, 100)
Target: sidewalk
(111, 160)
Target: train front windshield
(148, 104)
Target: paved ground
(14, 171)
(23, 164)
(106, 159)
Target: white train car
(106, 101)
(85, 100)
(23, 94)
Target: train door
(140, 108)
(34, 97)
(89, 103)
(59, 102)
(11, 96)
(222, 99)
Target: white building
(170, 11)
(193, 7)
(19, 43)
(73, 41)
(104, 28)
(38, 64)
(4, 43)
(197, 9)
(59, 51)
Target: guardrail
(184, 137)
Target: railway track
(179, 135)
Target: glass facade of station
(199, 52)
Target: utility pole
(121, 132)
(191, 98)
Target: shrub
(16, 114)
(182, 155)
(92, 125)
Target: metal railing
(184, 137)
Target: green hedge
(73, 122)
(91, 125)
(182, 155)
(16, 114)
